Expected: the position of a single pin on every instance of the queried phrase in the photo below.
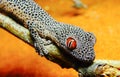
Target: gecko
(44, 30)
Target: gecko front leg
(39, 42)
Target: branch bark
(104, 68)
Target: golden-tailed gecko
(71, 39)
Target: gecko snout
(91, 37)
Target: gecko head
(80, 45)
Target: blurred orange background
(101, 18)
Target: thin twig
(78, 4)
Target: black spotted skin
(43, 26)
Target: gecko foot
(40, 49)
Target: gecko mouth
(77, 58)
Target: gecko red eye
(71, 43)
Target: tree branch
(104, 68)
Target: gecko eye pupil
(71, 43)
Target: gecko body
(73, 40)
